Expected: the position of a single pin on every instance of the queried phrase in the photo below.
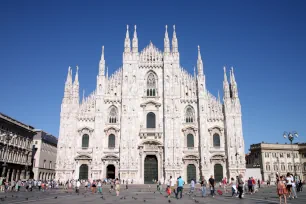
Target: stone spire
(76, 86)
(166, 42)
(127, 42)
(233, 87)
(68, 85)
(102, 63)
(135, 41)
(200, 63)
(226, 89)
(174, 41)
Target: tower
(233, 126)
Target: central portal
(110, 171)
(150, 169)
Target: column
(13, 175)
(27, 174)
(8, 174)
(18, 174)
(3, 172)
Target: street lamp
(8, 136)
(290, 137)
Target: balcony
(150, 133)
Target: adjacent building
(15, 148)
(282, 158)
(150, 120)
(44, 155)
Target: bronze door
(150, 169)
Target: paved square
(137, 194)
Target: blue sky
(265, 41)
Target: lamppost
(291, 136)
(8, 136)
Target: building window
(151, 85)
(44, 163)
(283, 167)
(288, 155)
(216, 139)
(85, 141)
(111, 141)
(273, 154)
(189, 115)
(281, 155)
(275, 167)
(190, 141)
(150, 120)
(50, 165)
(268, 167)
(113, 115)
(266, 154)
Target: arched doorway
(218, 172)
(83, 172)
(150, 169)
(191, 173)
(110, 171)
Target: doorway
(150, 169)
(218, 172)
(191, 173)
(110, 171)
(83, 172)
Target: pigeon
(12, 196)
(103, 198)
(124, 197)
(55, 197)
(196, 201)
(144, 201)
(169, 201)
(27, 198)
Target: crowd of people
(14, 186)
(287, 186)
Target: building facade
(150, 119)
(281, 158)
(44, 155)
(15, 148)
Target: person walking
(78, 185)
(203, 186)
(234, 187)
(212, 186)
(100, 187)
(294, 189)
(281, 190)
(117, 186)
(180, 185)
(171, 184)
(93, 187)
(289, 180)
(240, 185)
(192, 185)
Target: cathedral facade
(150, 120)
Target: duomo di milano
(150, 120)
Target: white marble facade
(151, 107)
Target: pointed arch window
(85, 141)
(190, 141)
(113, 115)
(151, 85)
(189, 115)
(216, 139)
(151, 123)
(111, 141)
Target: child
(234, 187)
(168, 191)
